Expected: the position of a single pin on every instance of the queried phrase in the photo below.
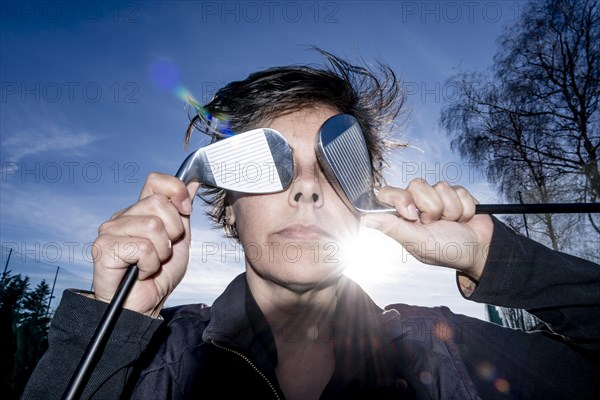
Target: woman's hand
(153, 233)
(436, 224)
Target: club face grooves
(343, 155)
(282, 156)
(349, 163)
(256, 161)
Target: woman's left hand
(436, 224)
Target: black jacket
(398, 352)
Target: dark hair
(374, 98)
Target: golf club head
(344, 157)
(256, 161)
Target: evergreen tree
(24, 323)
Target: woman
(344, 345)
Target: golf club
(342, 153)
(256, 161)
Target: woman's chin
(303, 275)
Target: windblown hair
(374, 98)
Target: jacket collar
(237, 322)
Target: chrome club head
(343, 154)
(256, 161)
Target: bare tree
(532, 121)
(554, 54)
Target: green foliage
(24, 322)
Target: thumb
(393, 226)
(185, 206)
(192, 189)
(377, 221)
(408, 234)
(184, 203)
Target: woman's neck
(304, 314)
(301, 322)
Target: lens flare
(165, 75)
(373, 260)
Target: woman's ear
(229, 215)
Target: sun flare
(374, 259)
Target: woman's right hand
(154, 233)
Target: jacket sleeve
(561, 290)
(71, 329)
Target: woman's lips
(304, 232)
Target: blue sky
(82, 120)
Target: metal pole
(6, 266)
(101, 336)
(52, 292)
(524, 215)
(543, 208)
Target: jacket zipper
(251, 364)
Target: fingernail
(411, 212)
(187, 206)
(170, 243)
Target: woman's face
(295, 238)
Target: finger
(116, 253)
(401, 200)
(159, 206)
(452, 205)
(427, 200)
(468, 203)
(150, 227)
(172, 188)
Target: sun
(373, 259)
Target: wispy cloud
(47, 139)
(57, 215)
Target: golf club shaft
(105, 327)
(101, 335)
(549, 208)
